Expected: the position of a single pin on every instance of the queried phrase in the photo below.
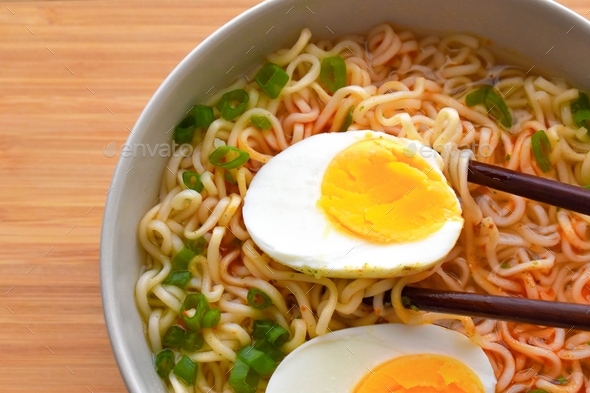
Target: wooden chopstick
(536, 188)
(536, 312)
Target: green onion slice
(261, 122)
(477, 97)
(243, 379)
(347, 120)
(197, 246)
(261, 327)
(538, 391)
(184, 131)
(193, 341)
(270, 349)
(266, 329)
(186, 370)
(333, 73)
(164, 363)
(278, 335)
(211, 318)
(541, 150)
(192, 180)
(582, 118)
(258, 360)
(582, 102)
(228, 157)
(258, 299)
(581, 111)
(181, 260)
(494, 103)
(203, 115)
(233, 104)
(192, 310)
(271, 78)
(174, 337)
(178, 278)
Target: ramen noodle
(407, 86)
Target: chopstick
(536, 312)
(536, 188)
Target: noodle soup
(207, 285)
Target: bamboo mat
(74, 77)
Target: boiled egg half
(354, 204)
(383, 359)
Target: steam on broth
(208, 287)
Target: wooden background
(74, 77)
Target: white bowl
(540, 30)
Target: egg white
(338, 361)
(281, 214)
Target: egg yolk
(374, 191)
(422, 373)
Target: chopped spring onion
(494, 103)
(333, 73)
(203, 115)
(538, 391)
(174, 337)
(278, 335)
(192, 181)
(164, 363)
(587, 186)
(211, 318)
(184, 131)
(497, 107)
(561, 380)
(541, 150)
(192, 310)
(582, 118)
(347, 120)
(477, 97)
(261, 122)
(228, 157)
(266, 329)
(181, 260)
(582, 102)
(581, 111)
(186, 370)
(193, 341)
(258, 299)
(258, 360)
(178, 278)
(233, 104)
(271, 78)
(243, 379)
(198, 246)
(179, 275)
(270, 349)
(261, 327)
